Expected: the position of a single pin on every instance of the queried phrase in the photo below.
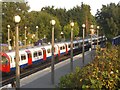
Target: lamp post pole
(83, 42)
(17, 20)
(97, 34)
(25, 36)
(71, 54)
(52, 61)
(37, 32)
(91, 35)
(9, 46)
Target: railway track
(34, 68)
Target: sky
(69, 4)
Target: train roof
(116, 37)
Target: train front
(4, 63)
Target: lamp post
(17, 20)
(71, 54)
(83, 42)
(9, 46)
(91, 34)
(52, 22)
(97, 34)
(25, 36)
(37, 32)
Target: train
(116, 40)
(38, 54)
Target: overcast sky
(68, 4)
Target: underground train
(116, 40)
(38, 54)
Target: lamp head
(25, 27)
(83, 25)
(91, 26)
(98, 27)
(8, 26)
(36, 27)
(61, 33)
(72, 24)
(17, 18)
(53, 22)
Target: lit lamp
(9, 46)
(72, 25)
(17, 20)
(25, 36)
(52, 22)
(97, 35)
(37, 32)
(83, 26)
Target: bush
(102, 73)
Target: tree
(67, 30)
(109, 19)
(42, 20)
(9, 10)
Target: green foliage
(42, 20)
(9, 10)
(80, 14)
(102, 73)
(67, 30)
(109, 19)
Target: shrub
(102, 73)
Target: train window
(77, 44)
(60, 48)
(23, 57)
(4, 60)
(48, 50)
(39, 53)
(35, 54)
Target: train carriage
(38, 54)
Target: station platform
(42, 79)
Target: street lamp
(9, 46)
(25, 36)
(91, 29)
(83, 42)
(17, 20)
(97, 34)
(71, 24)
(37, 32)
(52, 22)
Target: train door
(29, 57)
(44, 54)
(66, 48)
(58, 50)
